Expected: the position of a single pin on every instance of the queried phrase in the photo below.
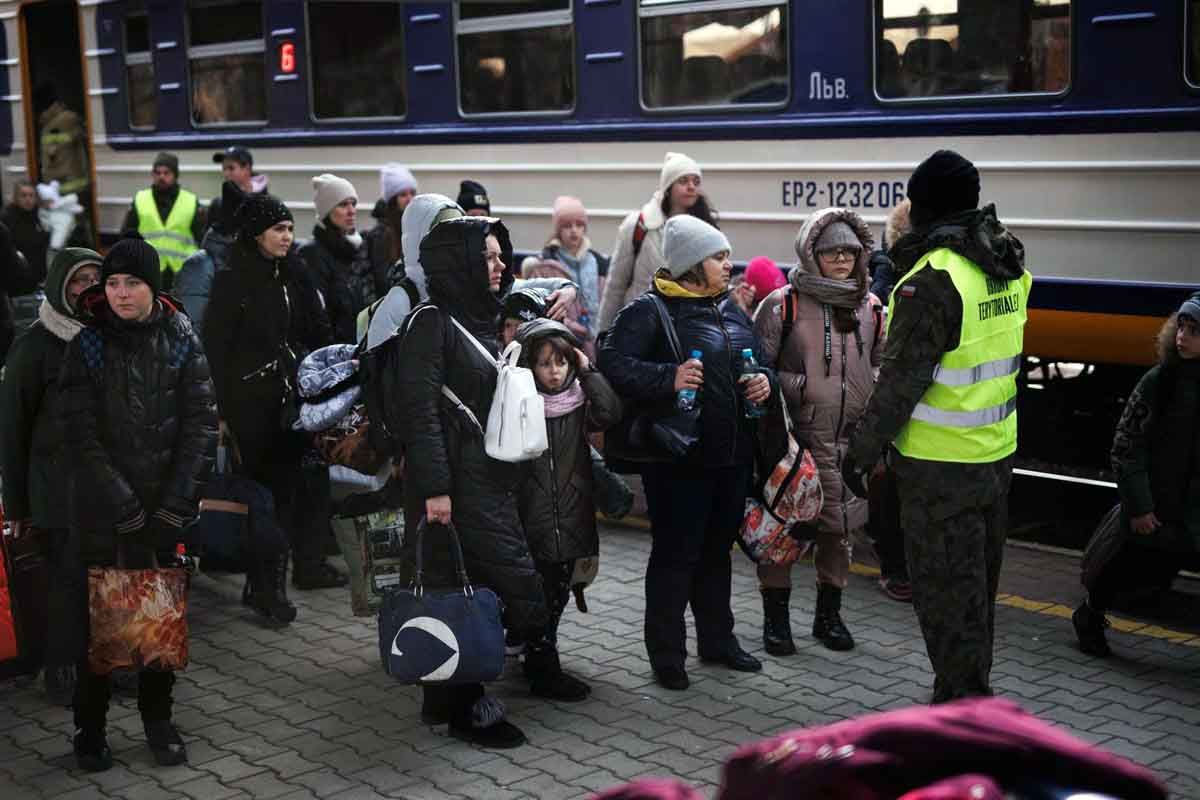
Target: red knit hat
(764, 276)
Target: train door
(58, 139)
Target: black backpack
(377, 370)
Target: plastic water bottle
(686, 399)
(750, 367)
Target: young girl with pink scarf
(556, 500)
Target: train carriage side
(1091, 158)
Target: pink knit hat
(567, 209)
(764, 276)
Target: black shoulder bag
(677, 432)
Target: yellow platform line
(1011, 600)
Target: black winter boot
(777, 624)
(268, 592)
(1089, 628)
(547, 678)
(827, 621)
(92, 752)
(165, 742)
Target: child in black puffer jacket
(556, 496)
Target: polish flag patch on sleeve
(908, 290)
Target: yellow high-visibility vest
(173, 238)
(969, 412)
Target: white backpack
(516, 426)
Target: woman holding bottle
(696, 498)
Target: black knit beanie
(168, 160)
(473, 195)
(941, 185)
(260, 212)
(133, 256)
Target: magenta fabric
(962, 787)
(884, 755)
(651, 789)
(764, 276)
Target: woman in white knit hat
(696, 493)
(337, 255)
(638, 252)
(397, 188)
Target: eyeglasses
(839, 254)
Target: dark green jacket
(1156, 453)
(32, 436)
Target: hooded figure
(1156, 459)
(826, 368)
(34, 453)
(454, 469)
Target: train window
(356, 52)
(713, 54)
(227, 61)
(1192, 44)
(515, 57)
(140, 90)
(951, 48)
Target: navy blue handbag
(441, 636)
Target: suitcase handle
(460, 564)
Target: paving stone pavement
(306, 711)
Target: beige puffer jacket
(630, 277)
(826, 399)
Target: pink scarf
(564, 402)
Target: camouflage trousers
(955, 521)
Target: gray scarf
(827, 291)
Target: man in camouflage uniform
(945, 400)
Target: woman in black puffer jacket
(138, 409)
(696, 504)
(451, 478)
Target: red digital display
(287, 58)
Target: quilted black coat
(139, 413)
(343, 274)
(444, 450)
(635, 355)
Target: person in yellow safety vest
(946, 403)
(168, 217)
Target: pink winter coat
(826, 398)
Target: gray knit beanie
(687, 241)
(1191, 308)
(837, 234)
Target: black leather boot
(165, 742)
(92, 753)
(547, 678)
(777, 623)
(268, 592)
(827, 622)
(1089, 628)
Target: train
(1082, 116)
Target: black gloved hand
(854, 475)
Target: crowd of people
(897, 367)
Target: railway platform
(305, 711)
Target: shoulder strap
(447, 392)
(877, 312)
(478, 345)
(789, 315)
(639, 235)
(668, 326)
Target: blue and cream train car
(1081, 114)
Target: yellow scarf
(670, 288)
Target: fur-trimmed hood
(817, 223)
(898, 225)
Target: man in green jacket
(945, 402)
(34, 453)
